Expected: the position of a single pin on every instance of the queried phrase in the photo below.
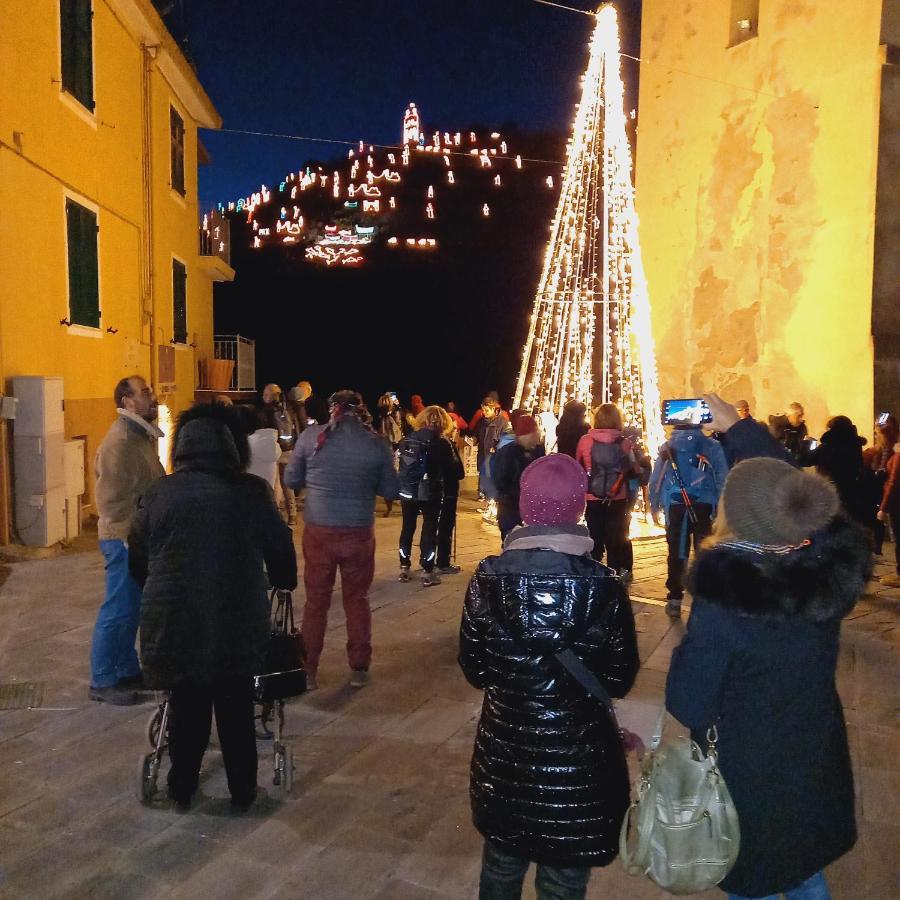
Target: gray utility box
(38, 456)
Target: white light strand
(593, 276)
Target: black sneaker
(404, 573)
(117, 696)
(449, 570)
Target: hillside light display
(589, 334)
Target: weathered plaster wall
(756, 192)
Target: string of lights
(592, 278)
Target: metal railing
(215, 235)
(242, 351)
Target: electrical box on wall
(38, 454)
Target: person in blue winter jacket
(686, 483)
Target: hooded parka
(758, 661)
(197, 546)
(548, 778)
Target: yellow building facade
(768, 189)
(99, 112)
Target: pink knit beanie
(552, 491)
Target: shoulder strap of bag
(572, 663)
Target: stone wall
(756, 188)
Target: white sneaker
(359, 678)
(431, 578)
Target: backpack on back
(698, 476)
(413, 469)
(607, 468)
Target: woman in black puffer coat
(549, 782)
(758, 662)
(197, 546)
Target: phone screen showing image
(687, 411)
(883, 418)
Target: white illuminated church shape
(589, 336)
(412, 130)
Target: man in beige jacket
(126, 465)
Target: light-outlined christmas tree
(589, 337)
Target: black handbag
(284, 672)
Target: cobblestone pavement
(379, 808)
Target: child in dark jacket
(549, 782)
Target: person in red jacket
(890, 509)
(608, 458)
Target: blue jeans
(815, 888)
(112, 652)
(502, 876)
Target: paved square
(379, 809)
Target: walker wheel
(153, 726)
(263, 732)
(283, 775)
(148, 770)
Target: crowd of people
(782, 555)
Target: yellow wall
(61, 149)
(755, 189)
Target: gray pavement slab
(379, 809)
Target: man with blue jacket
(686, 483)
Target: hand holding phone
(686, 411)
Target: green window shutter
(176, 129)
(179, 302)
(76, 40)
(84, 286)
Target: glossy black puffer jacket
(548, 780)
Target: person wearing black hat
(758, 663)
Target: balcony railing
(241, 352)
(215, 236)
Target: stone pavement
(379, 809)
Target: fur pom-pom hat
(767, 501)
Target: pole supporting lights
(592, 284)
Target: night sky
(346, 69)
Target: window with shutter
(179, 302)
(76, 41)
(84, 282)
(176, 128)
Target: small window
(179, 302)
(76, 39)
(176, 129)
(744, 22)
(84, 282)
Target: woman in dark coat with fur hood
(197, 547)
(758, 661)
(549, 781)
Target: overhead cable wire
(398, 147)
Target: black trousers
(445, 527)
(680, 531)
(607, 525)
(428, 538)
(190, 721)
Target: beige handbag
(686, 835)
